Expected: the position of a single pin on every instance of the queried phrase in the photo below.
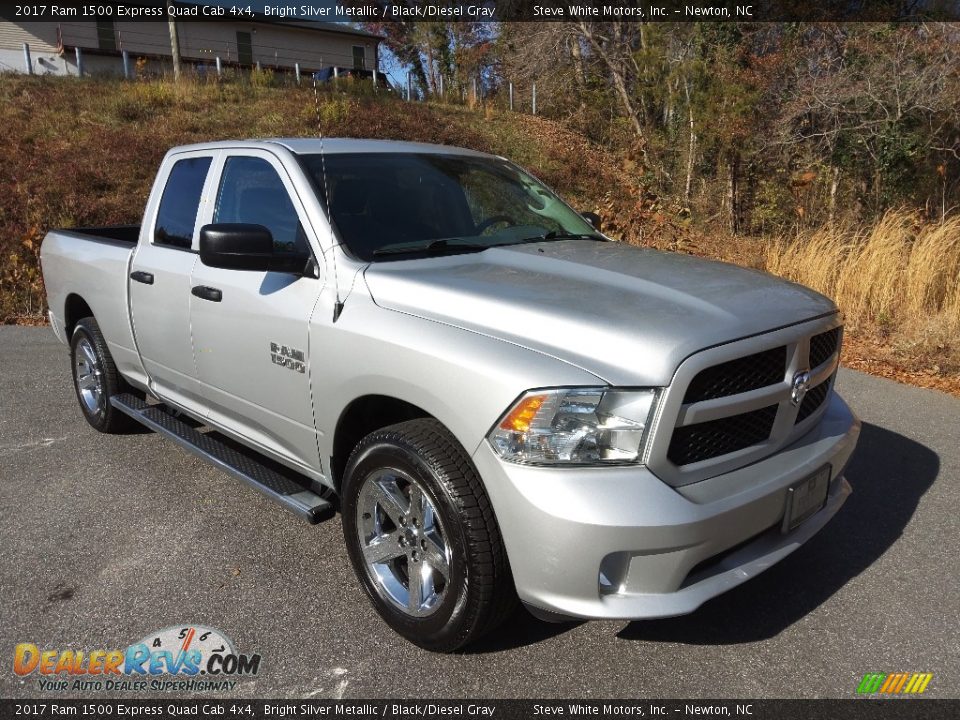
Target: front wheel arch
(359, 418)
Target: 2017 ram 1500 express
(501, 401)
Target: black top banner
(490, 11)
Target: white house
(268, 42)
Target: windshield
(392, 204)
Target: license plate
(806, 497)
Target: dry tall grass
(899, 271)
(898, 284)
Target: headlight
(579, 426)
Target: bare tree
(876, 96)
(613, 43)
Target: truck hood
(626, 314)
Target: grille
(693, 443)
(822, 346)
(739, 375)
(813, 400)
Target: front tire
(422, 537)
(95, 378)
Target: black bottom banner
(866, 709)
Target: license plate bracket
(805, 498)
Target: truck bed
(123, 234)
(86, 273)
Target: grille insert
(693, 443)
(822, 346)
(739, 375)
(813, 400)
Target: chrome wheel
(403, 542)
(89, 376)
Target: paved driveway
(107, 538)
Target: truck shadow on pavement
(889, 474)
(520, 630)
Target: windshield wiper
(431, 246)
(555, 235)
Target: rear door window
(177, 216)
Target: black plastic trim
(207, 293)
(103, 235)
(142, 276)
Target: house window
(244, 48)
(359, 58)
(106, 35)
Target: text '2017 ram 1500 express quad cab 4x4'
(503, 402)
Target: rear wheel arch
(75, 309)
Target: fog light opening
(613, 573)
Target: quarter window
(177, 216)
(251, 191)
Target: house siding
(274, 46)
(42, 39)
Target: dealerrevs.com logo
(183, 657)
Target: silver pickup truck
(502, 402)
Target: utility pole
(174, 41)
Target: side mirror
(592, 218)
(241, 246)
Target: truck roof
(311, 146)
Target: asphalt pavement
(105, 539)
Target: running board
(292, 496)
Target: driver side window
(251, 191)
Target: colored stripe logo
(894, 683)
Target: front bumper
(618, 543)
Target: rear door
(160, 278)
(252, 345)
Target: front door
(252, 345)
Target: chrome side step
(294, 497)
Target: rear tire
(422, 537)
(96, 380)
